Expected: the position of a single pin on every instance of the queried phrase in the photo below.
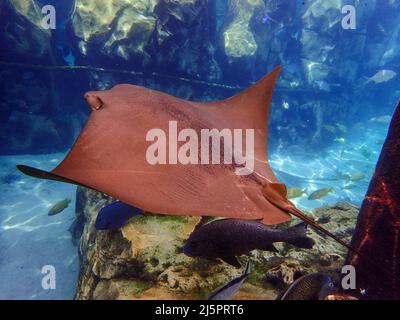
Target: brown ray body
(109, 155)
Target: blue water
(29, 238)
(323, 127)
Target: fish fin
(299, 236)
(297, 275)
(270, 247)
(108, 210)
(232, 261)
(246, 270)
(281, 293)
(252, 107)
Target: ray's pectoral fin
(232, 261)
(276, 193)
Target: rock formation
(376, 236)
(144, 259)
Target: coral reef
(144, 259)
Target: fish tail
(298, 236)
(246, 270)
(297, 213)
(276, 193)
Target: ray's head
(93, 101)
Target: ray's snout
(94, 102)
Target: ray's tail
(276, 194)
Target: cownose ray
(109, 156)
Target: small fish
(314, 286)
(232, 287)
(355, 177)
(381, 76)
(59, 207)
(115, 215)
(341, 154)
(227, 238)
(349, 186)
(293, 193)
(340, 140)
(320, 193)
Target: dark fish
(229, 290)
(314, 286)
(59, 207)
(228, 238)
(115, 215)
